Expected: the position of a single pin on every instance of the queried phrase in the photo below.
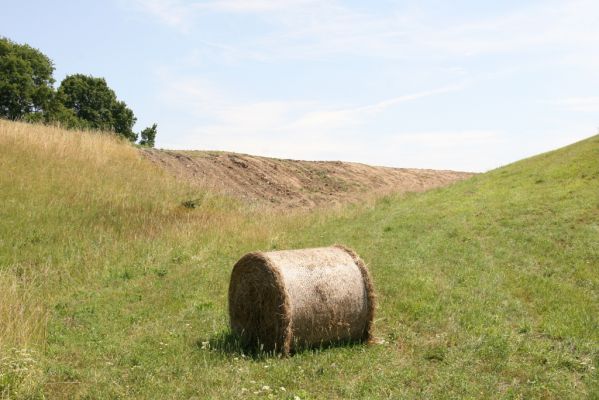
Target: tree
(92, 101)
(57, 113)
(148, 136)
(81, 101)
(25, 81)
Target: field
(110, 288)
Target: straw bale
(284, 300)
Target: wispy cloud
(283, 128)
(323, 119)
(251, 6)
(222, 113)
(170, 12)
(511, 51)
(580, 104)
(182, 15)
(311, 130)
(310, 28)
(446, 138)
(384, 104)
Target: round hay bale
(283, 300)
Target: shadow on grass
(230, 344)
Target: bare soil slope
(293, 183)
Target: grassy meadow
(109, 288)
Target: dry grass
(61, 187)
(74, 202)
(96, 148)
(23, 316)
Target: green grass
(110, 289)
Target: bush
(148, 136)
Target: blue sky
(467, 85)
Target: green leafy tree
(58, 114)
(81, 101)
(148, 136)
(25, 81)
(95, 104)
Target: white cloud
(253, 6)
(446, 138)
(580, 104)
(566, 33)
(384, 104)
(531, 27)
(288, 129)
(223, 114)
(170, 12)
(311, 28)
(327, 120)
(308, 130)
(465, 150)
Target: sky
(464, 85)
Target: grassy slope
(488, 288)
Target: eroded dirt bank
(294, 183)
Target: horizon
(466, 86)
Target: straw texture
(283, 300)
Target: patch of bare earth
(294, 183)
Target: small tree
(25, 81)
(91, 100)
(148, 136)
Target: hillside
(294, 183)
(487, 288)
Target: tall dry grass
(76, 206)
(61, 193)
(23, 317)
